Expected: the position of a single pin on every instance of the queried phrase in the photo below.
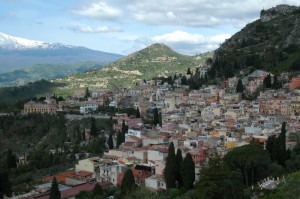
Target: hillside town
(211, 120)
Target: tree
(87, 93)
(276, 146)
(10, 159)
(160, 119)
(211, 183)
(282, 153)
(188, 172)
(276, 84)
(179, 179)
(128, 183)
(124, 130)
(252, 160)
(239, 86)
(268, 81)
(110, 141)
(5, 185)
(184, 80)
(170, 168)
(119, 139)
(233, 185)
(93, 127)
(138, 114)
(54, 190)
(155, 117)
(97, 191)
(188, 71)
(271, 147)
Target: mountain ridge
(270, 43)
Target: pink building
(274, 106)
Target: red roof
(72, 192)
(59, 177)
(84, 173)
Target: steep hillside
(155, 60)
(270, 43)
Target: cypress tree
(178, 168)
(128, 182)
(110, 141)
(138, 114)
(160, 119)
(188, 172)
(239, 86)
(282, 153)
(189, 71)
(119, 139)
(270, 146)
(87, 93)
(155, 117)
(124, 130)
(93, 127)
(268, 81)
(54, 190)
(170, 168)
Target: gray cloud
(197, 13)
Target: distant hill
(37, 72)
(153, 61)
(19, 53)
(270, 43)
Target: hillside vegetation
(270, 43)
(153, 61)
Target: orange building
(295, 83)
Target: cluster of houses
(201, 122)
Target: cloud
(98, 10)
(98, 29)
(189, 43)
(197, 13)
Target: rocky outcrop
(267, 15)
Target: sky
(125, 26)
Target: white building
(155, 182)
(88, 107)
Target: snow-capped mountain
(18, 43)
(18, 56)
